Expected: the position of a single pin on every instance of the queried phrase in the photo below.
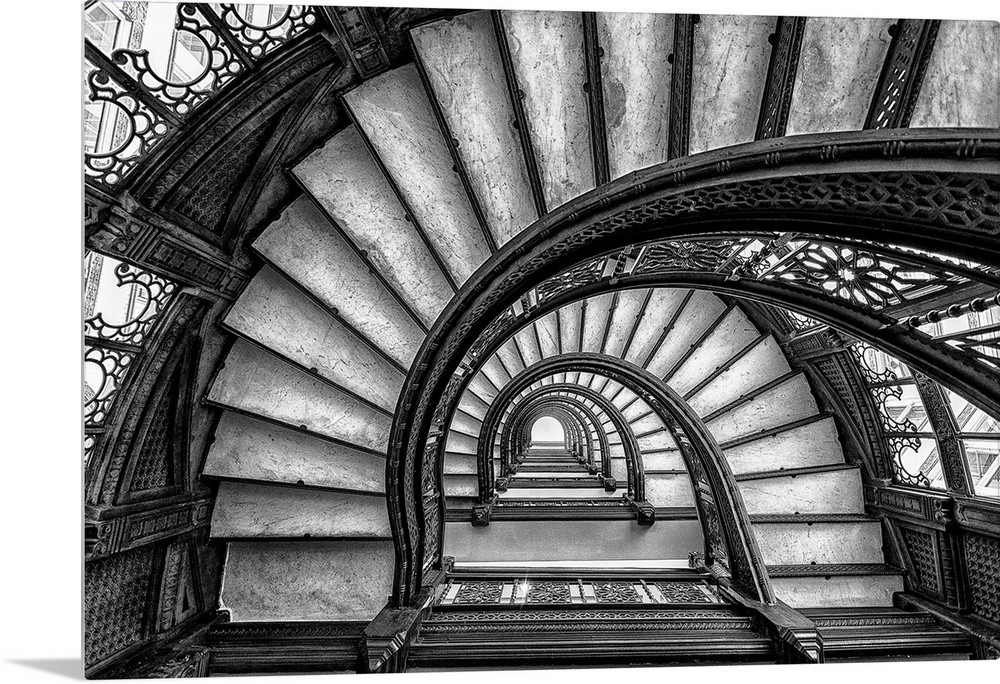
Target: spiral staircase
(388, 228)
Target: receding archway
(812, 185)
(546, 430)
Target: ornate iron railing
(149, 107)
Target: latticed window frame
(880, 386)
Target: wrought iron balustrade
(136, 103)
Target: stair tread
(303, 245)
(247, 511)
(487, 145)
(346, 182)
(252, 450)
(416, 156)
(270, 305)
(259, 383)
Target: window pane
(101, 27)
(984, 464)
(971, 418)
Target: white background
(41, 563)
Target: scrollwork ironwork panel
(681, 255)
(259, 36)
(104, 370)
(138, 129)
(897, 426)
(860, 277)
(147, 294)
(583, 274)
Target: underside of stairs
(445, 160)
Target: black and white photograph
(451, 340)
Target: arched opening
(546, 433)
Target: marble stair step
(396, 115)
(254, 511)
(289, 581)
(348, 185)
(831, 585)
(304, 246)
(830, 540)
(548, 63)
(271, 305)
(458, 56)
(829, 489)
(249, 450)
(256, 382)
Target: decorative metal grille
(139, 128)
(684, 592)
(616, 592)
(685, 256)
(584, 274)
(921, 548)
(137, 107)
(574, 591)
(479, 592)
(548, 592)
(259, 37)
(982, 555)
(104, 370)
(115, 594)
(122, 317)
(151, 291)
(182, 94)
(857, 276)
(898, 429)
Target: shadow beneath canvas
(71, 668)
